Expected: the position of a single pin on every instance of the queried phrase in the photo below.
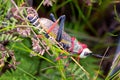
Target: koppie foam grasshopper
(53, 31)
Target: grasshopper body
(68, 43)
(55, 31)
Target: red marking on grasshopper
(83, 47)
(53, 26)
(72, 46)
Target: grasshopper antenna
(96, 55)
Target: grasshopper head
(85, 53)
(31, 13)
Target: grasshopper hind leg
(61, 28)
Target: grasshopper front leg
(52, 17)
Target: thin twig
(101, 63)
(48, 68)
(87, 74)
(40, 5)
(15, 4)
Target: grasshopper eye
(29, 18)
(87, 54)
